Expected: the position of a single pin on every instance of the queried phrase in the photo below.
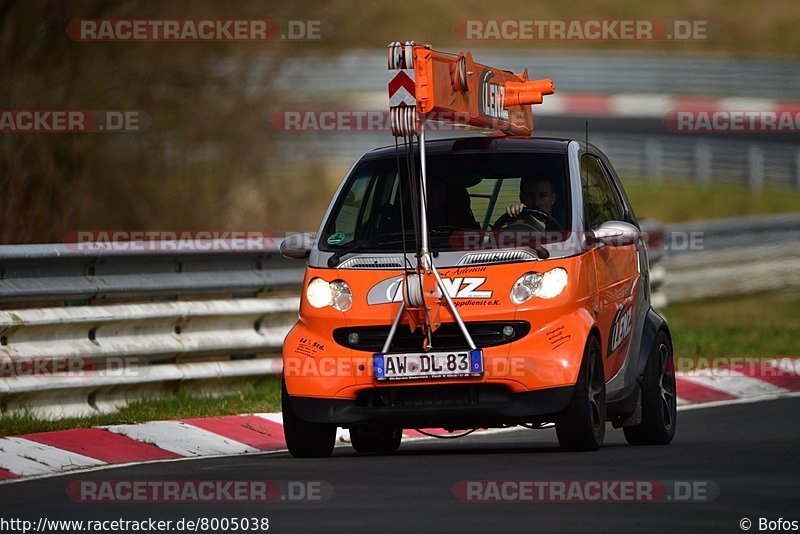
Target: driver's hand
(515, 209)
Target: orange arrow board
(458, 90)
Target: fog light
(353, 338)
(508, 331)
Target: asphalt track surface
(748, 450)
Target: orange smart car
(538, 250)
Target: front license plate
(417, 366)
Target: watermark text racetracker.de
(171, 240)
(580, 30)
(785, 368)
(116, 491)
(73, 120)
(202, 30)
(309, 363)
(355, 120)
(585, 490)
(76, 366)
(720, 120)
(564, 241)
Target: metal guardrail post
(702, 162)
(797, 168)
(755, 165)
(654, 159)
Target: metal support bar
(427, 262)
(393, 330)
(456, 315)
(424, 188)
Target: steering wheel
(505, 218)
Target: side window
(600, 203)
(352, 209)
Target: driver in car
(534, 193)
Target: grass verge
(687, 201)
(263, 396)
(766, 324)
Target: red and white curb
(742, 380)
(52, 453)
(655, 105)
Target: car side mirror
(616, 234)
(297, 246)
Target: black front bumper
(449, 406)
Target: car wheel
(304, 439)
(376, 440)
(659, 400)
(582, 426)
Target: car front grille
(373, 262)
(503, 256)
(447, 337)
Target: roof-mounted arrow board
(455, 89)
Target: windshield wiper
(333, 261)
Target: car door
(615, 266)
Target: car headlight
(341, 296)
(542, 285)
(336, 294)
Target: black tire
(383, 440)
(304, 439)
(582, 426)
(659, 399)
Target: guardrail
(86, 331)
(89, 330)
(735, 256)
(32, 273)
(639, 149)
(617, 72)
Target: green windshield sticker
(338, 237)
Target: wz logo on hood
(391, 290)
(620, 328)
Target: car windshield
(468, 195)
